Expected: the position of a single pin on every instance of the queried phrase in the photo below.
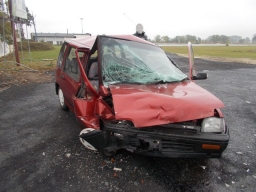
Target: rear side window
(61, 54)
(71, 65)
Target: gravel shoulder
(10, 78)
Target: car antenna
(130, 19)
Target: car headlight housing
(213, 125)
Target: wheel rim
(85, 143)
(61, 97)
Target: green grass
(35, 61)
(38, 61)
(216, 51)
(39, 55)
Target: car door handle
(62, 76)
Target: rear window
(61, 54)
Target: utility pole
(34, 26)
(82, 25)
(14, 34)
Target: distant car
(127, 94)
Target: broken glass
(136, 63)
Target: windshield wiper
(163, 82)
(124, 82)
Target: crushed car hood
(148, 105)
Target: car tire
(61, 100)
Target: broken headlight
(213, 125)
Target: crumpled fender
(103, 110)
(84, 111)
(149, 105)
(88, 112)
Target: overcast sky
(201, 18)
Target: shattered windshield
(136, 63)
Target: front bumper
(169, 142)
(161, 141)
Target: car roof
(88, 42)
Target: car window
(133, 62)
(71, 64)
(95, 54)
(61, 54)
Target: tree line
(223, 39)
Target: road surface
(40, 150)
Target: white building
(56, 38)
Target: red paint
(147, 105)
(103, 110)
(84, 111)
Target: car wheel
(84, 142)
(62, 101)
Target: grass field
(37, 60)
(49, 54)
(216, 51)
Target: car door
(86, 98)
(70, 80)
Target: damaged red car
(128, 94)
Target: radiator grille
(175, 145)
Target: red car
(128, 94)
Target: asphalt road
(40, 150)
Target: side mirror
(200, 76)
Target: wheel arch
(56, 88)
